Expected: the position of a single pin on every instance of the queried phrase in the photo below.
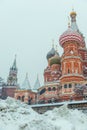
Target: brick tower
(71, 62)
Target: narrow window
(65, 86)
(70, 85)
(49, 89)
(68, 71)
(23, 98)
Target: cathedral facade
(65, 77)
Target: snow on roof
(26, 84)
(37, 84)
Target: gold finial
(52, 43)
(73, 12)
(68, 22)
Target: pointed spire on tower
(37, 83)
(14, 63)
(26, 84)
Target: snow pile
(15, 115)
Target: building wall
(8, 91)
(25, 96)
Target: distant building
(24, 93)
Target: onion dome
(72, 33)
(51, 53)
(73, 13)
(55, 60)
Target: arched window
(19, 98)
(23, 98)
(70, 85)
(42, 91)
(49, 89)
(75, 84)
(54, 89)
(68, 71)
(65, 85)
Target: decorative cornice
(71, 57)
(69, 75)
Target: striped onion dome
(70, 35)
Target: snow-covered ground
(15, 115)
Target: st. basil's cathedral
(65, 77)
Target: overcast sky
(27, 28)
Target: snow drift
(15, 115)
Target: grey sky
(27, 28)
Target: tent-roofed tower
(12, 78)
(26, 83)
(37, 84)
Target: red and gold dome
(70, 35)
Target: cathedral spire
(74, 26)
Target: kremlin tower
(11, 85)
